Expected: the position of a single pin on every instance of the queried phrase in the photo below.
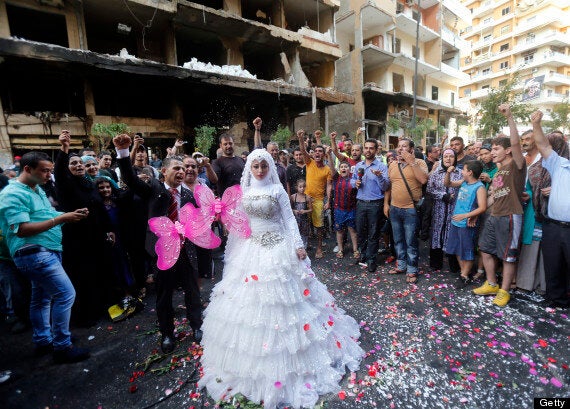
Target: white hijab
(248, 180)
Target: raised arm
(516, 149)
(542, 143)
(302, 146)
(329, 153)
(257, 144)
(138, 141)
(122, 143)
(318, 133)
(340, 156)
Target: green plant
(282, 136)
(204, 138)
(560, 117)
(393, 125)
(103, 134)
(492, 121)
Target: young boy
(344, 206)
(471, 202)
(500, 236)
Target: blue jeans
(50, 285)
(404, 224)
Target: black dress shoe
(168, 344)
(198, 335)
(372, 267)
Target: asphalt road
(429, 345)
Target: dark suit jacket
(158, 199)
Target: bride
(272, 331)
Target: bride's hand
(301, 253)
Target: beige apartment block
(163, 67)
(529, 37)
(378, 42)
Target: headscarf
(454, 159)
(540, 178)
(248, 180)
(87, 158)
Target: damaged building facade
(379, 40)
(163, 67)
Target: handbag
(418, 205)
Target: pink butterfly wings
(195, 224)
(169, 241)
(212, 208)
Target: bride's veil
(247, 179)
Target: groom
(165, 199)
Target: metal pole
(413, 125)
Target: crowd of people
(495, 210)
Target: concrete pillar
(233, 6)
(234, 56)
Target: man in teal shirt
(33, 233)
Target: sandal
(339, 254)
(356, 255)
(396, 271)
(411, 278)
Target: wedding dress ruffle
(272, 331)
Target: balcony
(555, 79)
(487, 7)
(407, 24)
(374, 20)
(548, 97)
(453, 39)
(374, 57)
(450, 74)
(484, 26)
(550, 58)
(480, 93)
(408, 62)
(459, 10)
(554, 38)
(542, 20)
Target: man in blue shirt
(33, 234)
(370, 177)
(556, 227)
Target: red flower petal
(133, 388)
(306, 327)
(306, 292)
(342, 395)
(331, 323)
(254, 277)
(338, 344)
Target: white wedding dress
(272, 331)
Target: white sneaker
(363, 264)
(335, 250)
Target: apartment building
(378, 41)
(162, 67)
(529, 37)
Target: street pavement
(430, 345)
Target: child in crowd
(344, 206)
(302, 205)
(471, 202)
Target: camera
(199, 161)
